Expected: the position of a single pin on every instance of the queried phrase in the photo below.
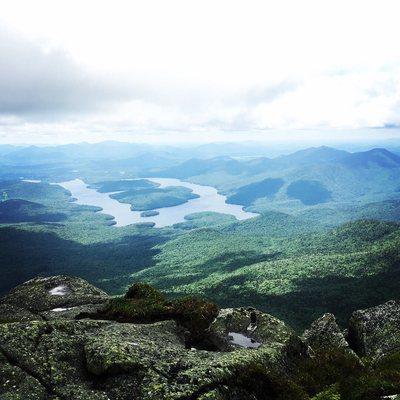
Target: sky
(195, 71)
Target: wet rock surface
(242, 327)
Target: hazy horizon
(302, 138)
(195, 73)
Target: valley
(296, 235)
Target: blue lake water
(209, 200)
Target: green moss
(339, 376)
(142, 290)
(378, 379)
(317, 373)
(194, 314)
(143, 304)
(263, 384)
(133, 310)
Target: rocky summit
(62, 338)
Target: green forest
(331, 256)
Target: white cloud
(101, 69)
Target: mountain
(194, 167)
(7, 148)
(312, 155)
(372, 158)
(247, 194)
(36, 155)
(17, 210)
(310, 177)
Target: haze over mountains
(326, 223)
(316, 176)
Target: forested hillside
(292, 273)
(327, 237)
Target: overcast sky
(198, 70)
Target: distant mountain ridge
(308, 177)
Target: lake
(209, 200)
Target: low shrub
(144, 304)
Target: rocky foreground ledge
(62, 338)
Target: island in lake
(149, 213)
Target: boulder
(375, 331)
(99, 360)
(324, 335)
(246, 328)
(45, 294)
(12, 313)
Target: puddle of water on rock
(241, 340)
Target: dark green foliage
(149, 199)
(16, 210)
(364, 231)
(143, 303)
(338, 375)
(205, 219)
(334, 375)
(195, 315)
(264, 385)
(134, 310)
(246, 195)
(43, 252)
(293, 274)
(42, 193)
(144, 291)
(308, 192)
(325, 369)
(376, 380)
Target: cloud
(157, 74)
(36, 81)
(269, 93)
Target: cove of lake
(209, 200)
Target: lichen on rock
(375, 331)
(82, 344)
(36, 294)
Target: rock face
(247, 328)
(44, 357)
(325, 335)
(375, 332)
(46, 353)
(107, 360)
(50, 297)
(12, 313)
